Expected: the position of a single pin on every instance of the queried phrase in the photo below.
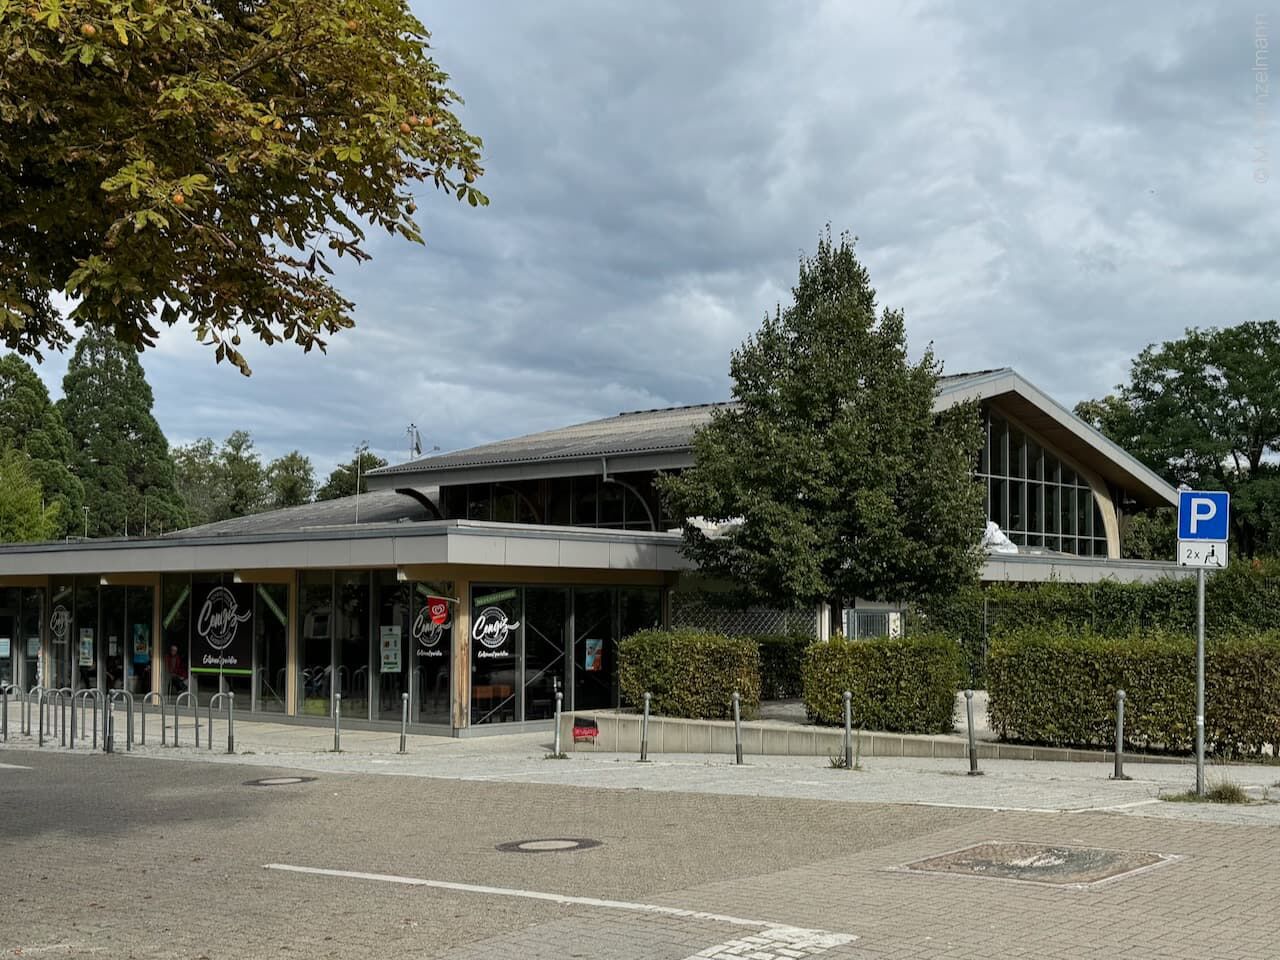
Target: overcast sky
(1042, 186)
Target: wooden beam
(291, 651)
(129, 580)
(24, 580)
(559, 576)
(284, 575)
(461, 666)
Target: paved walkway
(522, 758)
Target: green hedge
(690, 673)
(1048, 687)
(900, 684)
(782, 665)
(1243, 598)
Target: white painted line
(781, 934)
(12, 766)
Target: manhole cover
(1058, 865)
(549, 845)
(277, 781)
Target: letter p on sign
(1203, 514)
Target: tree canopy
(118, 449)
(291, 479)
(1205, 410)
(342, 479)
(198, 161)
(846, 481)
(30, 423)
(25, 514)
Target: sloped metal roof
(634, 432)
(376, 507)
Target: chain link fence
(693, 611)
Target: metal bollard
(848, 730)
(337, 723)
(1119, 772)
(404, 722)
(4, 714)
(644, 729)
(40, 712)
(737, 727)
(108, 728)
(231, 721)
(195, 715)
(125, 697)
(556, 743)
(973, 744)
(26, 709)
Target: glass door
(9, 639)
(595, 650)
(32, 616)
(546, 623)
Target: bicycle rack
(117, 696)
(64, 699)
(164, 733)
(46, 711)
(5, 690)
(230, 699)
(26, 709)
(195, 715)
(89, 693)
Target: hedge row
(1052, 688)
(782, 665)
(1243, 598)
(690, 673)
(899, 684)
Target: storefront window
(495, 645)
(32, 618)
(545, 623)
(85, 641)
(430, 639)
(595, 649)
(175, 630)
(61, 626)
(352, 642)
(315, 653)
(270, 642)
(9, 612)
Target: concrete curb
(620, 733)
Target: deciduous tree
(29, 422)
(24, 513)
(848, 484)
(342, 480)
(198, 162)
(292, 480)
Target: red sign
(439, 609)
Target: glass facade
(21, 612)
(1035, 497)
(630, 503)
(220, 636)
(527, 643)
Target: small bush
(689, 673)
(782, 665)
(899, 684)
(1048, 687)
(1220, 791)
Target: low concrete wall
(620, 733)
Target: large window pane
(595, 667)
(546, 621)
(1035, 508)
(611, 508)
(175, 625)
(999, 502)
(1017, 453)
(1067, 511)
(1035, 460)
(86, 655)
(1017, 513)
(33, 608)
(431, 641)
(137, 645)
(1084, 513)
(315, 654)
(270, 640)
(496, 624)
(984, 453)
(999, 452)
(351, 642)
(584, 502)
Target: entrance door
(546, 621)
(595, 650)
(9, 638)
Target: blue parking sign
(1203, 514)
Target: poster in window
(390, 648)
(141, 643)
(593, 658)
(113, 646)
(33, 646)
(222, 641)
(4, 646)
(86, 646)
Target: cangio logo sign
(60, 622)
(221, 646)
(491, 630)
(220, 618)
(430, 626)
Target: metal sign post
(1203, 525)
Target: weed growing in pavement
(837, 762)
(555, 756)
(1224, 790)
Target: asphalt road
(130, 857)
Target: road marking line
(780, 934)
(12, 766)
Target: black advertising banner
(222, 641)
